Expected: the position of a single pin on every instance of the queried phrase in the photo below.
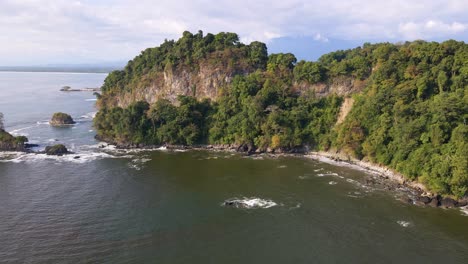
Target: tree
(1, 121)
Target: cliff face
(195, 65)
(342, 86)
(208, 81)
(204, 82)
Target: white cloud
(320, 37)
(430, 29)
(44, 31)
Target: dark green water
(113, 206)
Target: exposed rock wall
(208, 80)
(342, 86)
(205, 82)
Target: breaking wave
(404, 223)
(249, 203)
(90, 115)
(464, 210)
(82, 157)
(327, 174)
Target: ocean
(105, 205)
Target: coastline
(385, 176)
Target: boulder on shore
(56, 150)
(61, 119)
(435, 202)
(424, 199)
(448, 202)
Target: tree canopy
(411, 115)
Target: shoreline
(386, 176)
(413, 193)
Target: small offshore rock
(61, 119)
(56, 150)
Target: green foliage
(311, 72)
(189, 51)
(9, 142)
(2, 126)
(161, 123)
(411, 115)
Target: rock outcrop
(342, 86)
(56, 150)
(205, 81)
(61, 119)
(9, 142)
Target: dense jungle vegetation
(411, 116)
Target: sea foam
(404, 223)
(80, 157)
(249, 203)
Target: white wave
(17, 132)
(80, 157)
(163, 148)
(327, 174)
(134, 166)
(90, 115)
(53, 140)
(332, 183)
(249, 203)
(42, 123)
(304, 177)
(464, 210)
(282, 167)
(140, 160)
(254, 157)
(91, 100)
(138, 163)
(317, 170)
(404, 223)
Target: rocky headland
(9, 142)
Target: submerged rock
(56, 150)
(61, 119)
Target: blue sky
(40, 32)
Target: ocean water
(103, 205)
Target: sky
(47, 32)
